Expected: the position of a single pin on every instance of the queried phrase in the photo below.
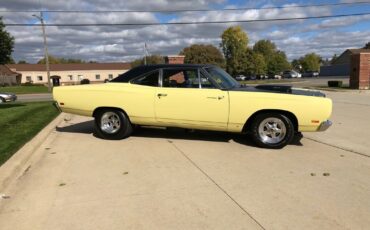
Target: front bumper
(11, 98)
(325, 125)
(56, 104)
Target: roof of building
(71, 66)
(357, 51)
(5, 70)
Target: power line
(190, 23)
(186, 10)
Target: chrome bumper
(325, 125)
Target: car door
(183, 102)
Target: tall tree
(234, 43)
(310, 62)
(333, 59)
(56, 60)
(6, 45)
(203, 54)
(367, 45)
(275, 59)
(152, 59)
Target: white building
(69, 74)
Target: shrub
(335, 83)
(85, 81)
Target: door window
(180, 78)
(150, 79)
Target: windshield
(223, 79)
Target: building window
(110, 76)
(39, 78)
(70, 77)
(97, 76)
(29, 79)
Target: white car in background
(291, 74)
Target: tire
(272, 130)
(2, 100)
(112, 124)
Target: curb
(19, 159)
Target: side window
(205, 82)
(150, 79)
(180, 78)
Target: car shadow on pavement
(87, 127)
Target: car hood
(284, 89)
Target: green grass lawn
(20, 122)
(25, 89)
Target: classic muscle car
(196, 97)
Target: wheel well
(288, 114)
(104, 108)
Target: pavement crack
(217, 185)
(337, 147)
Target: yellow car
(196, 97)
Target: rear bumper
(325, 125)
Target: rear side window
(151, 79)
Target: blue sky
(118, 43)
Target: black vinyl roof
(137, 71)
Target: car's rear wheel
(272, 130)
(112, 124)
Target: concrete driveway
(172, 179)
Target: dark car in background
(7, 97)
(310, 74)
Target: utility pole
(145, 52)
(45, 48)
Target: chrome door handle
(218, 98)
(161, 95)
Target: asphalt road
(172, 179)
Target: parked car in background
(7, 97)
(240, 78)
(310, 74)
(177, 96)
(291, 74)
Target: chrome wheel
(110, 122)
(272, 130)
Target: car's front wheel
(272, 130)
(2, 100)
(112, 124)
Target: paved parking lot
(174, 179)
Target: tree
(276, 60)
(56, 60)
(254, 63)
(367, 45)
(6, 44)
(234, 42)
(278, 63)
(310, 62)
(333, 59)
(203, 54)
(22, 62)
(152, 59)
(265, 47)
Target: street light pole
(45, 49)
